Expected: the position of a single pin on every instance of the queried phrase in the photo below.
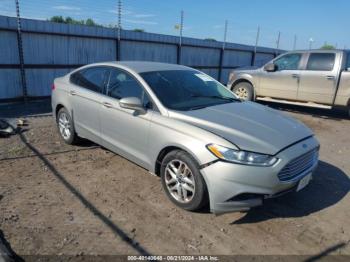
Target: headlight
(241, 157)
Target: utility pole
(180, 28)
(295, 42)
(256, 45)
(278, 42)
(225, 35)
(181, 25)
(119, 28)
(20, 52)
(311, 40)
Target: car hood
(248, 125)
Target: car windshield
(187, 89)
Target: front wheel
(182, 181)
(244, 91)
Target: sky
(320, 21)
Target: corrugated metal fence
(52, 49)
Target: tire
(190, 178)
(244, 91)
(66, 127)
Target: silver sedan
(207, 146)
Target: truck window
(288, 62)
(321, 62)
(348, 63)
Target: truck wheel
(244, 91)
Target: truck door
(318, 82)
(283, 83)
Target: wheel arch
(167, 150)
(58, 108)
(244, 80)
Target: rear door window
(93, 78)
(321, 62)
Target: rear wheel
(66, 127)
(244, 91)
(182, 181)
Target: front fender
(169, 132)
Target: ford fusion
(207, 146)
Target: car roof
(145, 66)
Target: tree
(57, 19)
(327, 47)
(210, 39)
(90, 22)
(139, 30)
(70, 20)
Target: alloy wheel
(64, 126)
(180, 181)
(242, 93)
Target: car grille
(298, 165)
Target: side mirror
(270, 67)
(132, 103)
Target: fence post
(178, 54)
(20, 53)
(222, 52)
(118, 50)
(252, 62)
(119, 29)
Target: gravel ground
(58, 199)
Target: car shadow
(40, 107)
(328, 186)
(334, 114)
(119, 232)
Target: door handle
(295, 76)
(73, 93)
(107, 105)
(330, 77)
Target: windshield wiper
(232, 99)
(197, 107)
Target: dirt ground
(84, 200)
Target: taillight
(53, 87)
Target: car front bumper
(233, 187)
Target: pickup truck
(319, 78)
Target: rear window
(321, 62)
(92, 78)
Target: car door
(126, 131)
(282, 83)
(319, 79)
(86, 93)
